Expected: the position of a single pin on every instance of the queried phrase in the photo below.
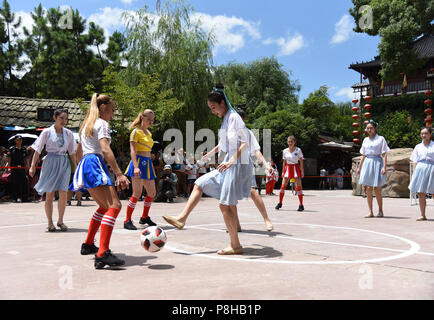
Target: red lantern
(365, 77)
(367, 106)
(355, 109)
(428, 102)
(356, 124)
(355, 101)
(356, 141)
(355, 116)
(428, 111)
(367, 115)
(428, 93)
(427, 120)
(355, 133)
(368, 98)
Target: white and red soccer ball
(153, 239)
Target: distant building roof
(424, 46)
(19, 111)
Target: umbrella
(24, 135)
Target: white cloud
(287, 45)
(346, 93)
(231, 33)
(343, 29)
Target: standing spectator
(191, 172)
(56, 169)
(322, 181)
(258, 176)
(272, 178)
(372, 167)
(16, 158)
(340, 179)
(422, 180)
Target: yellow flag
(404, 83)
(382, 84)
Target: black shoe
(300, 208)
(279, 205)
(87, 249)
(129, 225)
(147, 221)
(68, 203)
(108, 259)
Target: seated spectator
(166, 185)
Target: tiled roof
(424, 46)
(19, 111)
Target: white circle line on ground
(414, 248)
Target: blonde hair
(93, 113)
(139, 118)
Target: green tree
(97, 38)
(179, 51)
(262, 85)
(116, 49)
(398, 23)
(10, 48)
(400, 130)
(148, 92)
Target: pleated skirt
(229, 186)
(370, 175)
(91, 173)
(55, 174)
(422, 180)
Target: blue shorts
(147, 171)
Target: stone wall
(397, 174)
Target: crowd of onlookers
(176, 173)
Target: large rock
(397, 174)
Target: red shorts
(291, 171)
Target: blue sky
(312, 39)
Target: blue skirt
(423, 178)
(91, 173)
(147, 171)
(370, 175)
(55, 174)
(229, 186)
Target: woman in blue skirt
(56, 168)
(422, 180)
(372, 167)
(92, 175)
(233, 178)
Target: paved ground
(327, 252)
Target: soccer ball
(153, 239)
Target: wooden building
(417, 82)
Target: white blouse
(374, 147)
(232, 132)
(423, 153)
(253, 143)
(292, 157)
(91, 144)
(53, 143)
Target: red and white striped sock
(300, 194)
(147, 206)
(130, 207)
(107, 225)
(94, 225)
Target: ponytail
(93, 113)
(139, 118)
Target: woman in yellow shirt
(140, 168)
